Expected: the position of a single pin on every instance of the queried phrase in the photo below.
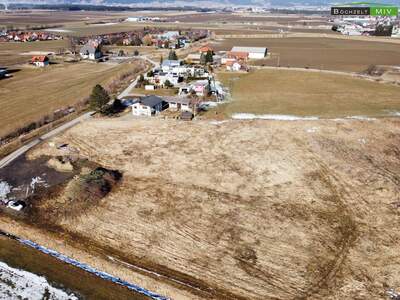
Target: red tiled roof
(242, 55)
(40, 58)
(206, 49)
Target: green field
(303, 93)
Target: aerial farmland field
(14, 53)
(304, 93)
(320, 53)
(32, 93)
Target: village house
(193, 58)
(40, 61)
(168, 35)
(251, 52)
(148, 106)
(233, 66)
(201, 87)
(235, 55)
(168, 65)
(205, 49)
(179, 103)
(91, 51)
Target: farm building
(253, 52)
(148, 106)
(40, 61)
(90, 51)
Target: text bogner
(350, 11)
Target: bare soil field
(321, 53)
(245, 18)
(32, 93)
(20, 19)
(17, 53)
(303, 93)
(246, 209)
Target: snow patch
(58, 30)
(20, 284)
(5, 189)
(104, 24)
(361, 118)
(218, 122)
(92, 270)
(246, 116)
(312, 130)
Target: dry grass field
(303, 93)
(17, 53)
(321, 53)
(32, 93)
(22, 18)
(247, 209)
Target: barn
(253, 52)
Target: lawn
(304, 93)
(32, 93)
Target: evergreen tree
(209, 57)
(99, 97)
(172, 55)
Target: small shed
(186, 116)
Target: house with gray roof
(148, 106)
(90, 51)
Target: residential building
(201, 87)
(148, 106)
(178, 103)
(40, 61)
(237, 55)
(193, 58)
(91, 51)
(167, 64)
(206, 49)
(253, 52)
(233, 66)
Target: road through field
(17, 153)
(127, 91)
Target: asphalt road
(17, 153)
(128, 90)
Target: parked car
(16, 205)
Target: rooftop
(249, 49)
(151, 101)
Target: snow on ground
(246, 116)
(104, 24)
(58, 30)
(362, 118)
(19, 284)
(5, 189)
